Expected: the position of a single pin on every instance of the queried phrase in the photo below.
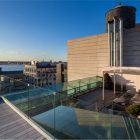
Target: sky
(40, 29)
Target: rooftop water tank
(127, 13)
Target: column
(109, 38)
(103, 89)
(114, 84)
(111, 47)
(121, 42)
(114, 42)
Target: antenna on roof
(118, 2)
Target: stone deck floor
(95, 96)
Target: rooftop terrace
(72, 110)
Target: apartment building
(40, 73)
(61, 72)
(45, 73)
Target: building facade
(40, 73)
(45, 73)
(87, 56)
(118, 47)
(61, 72)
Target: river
(12, 67)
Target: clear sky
(40, 29)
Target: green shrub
(133, 110)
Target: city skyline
(95, 94)
(39, 30)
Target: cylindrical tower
(117, 19)
(126, 13)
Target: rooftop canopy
(124, 70)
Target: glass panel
(83, 88)
(60, 110)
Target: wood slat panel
(12, 126)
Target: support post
(103, 90)
(109, 43)
(121, 42)
(121, 82)
(28, 86)
(54, 111)
(114, 84)
(114, 42)
(111, 48)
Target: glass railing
(11, 85)
(59, 110)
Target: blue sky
(40, 29)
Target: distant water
(11, 67)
